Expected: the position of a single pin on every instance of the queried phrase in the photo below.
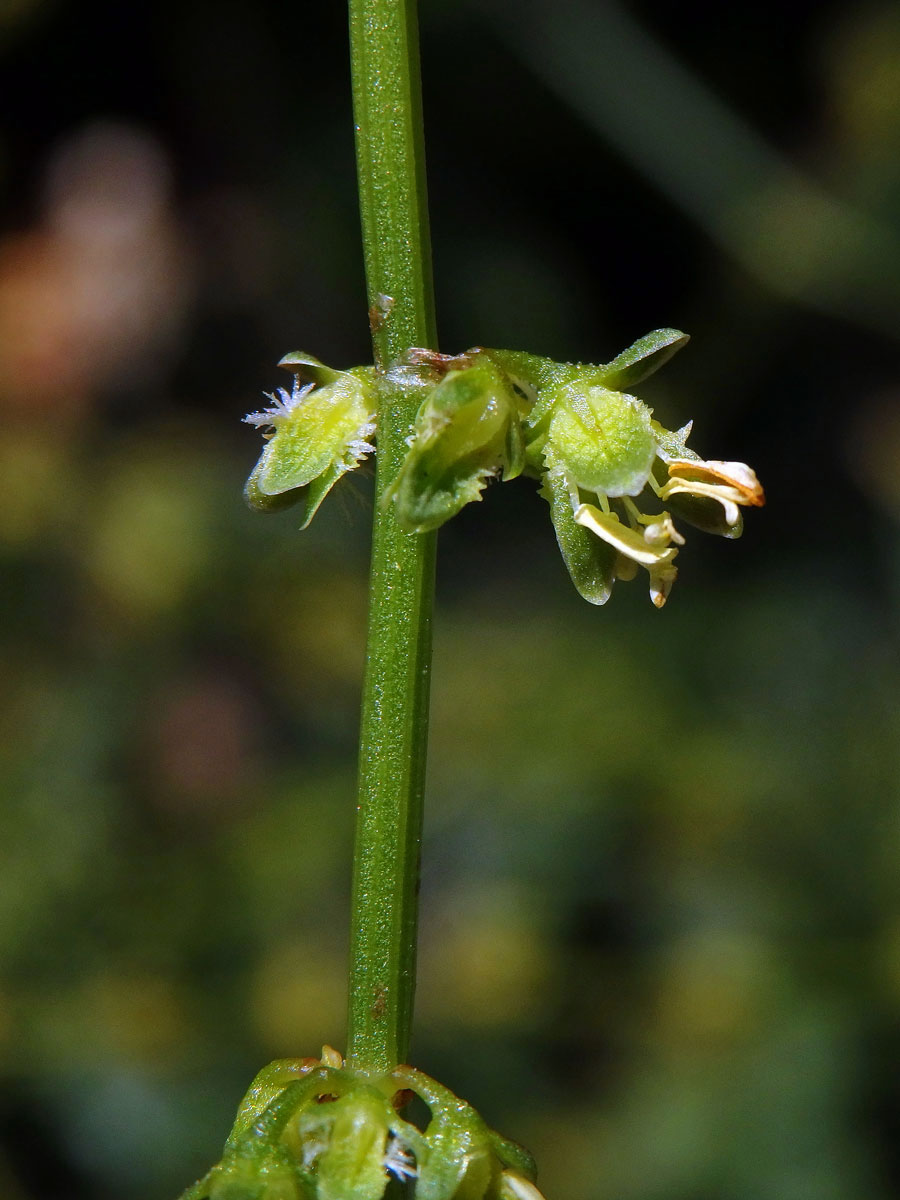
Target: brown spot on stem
(379, 311)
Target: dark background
(661, 928)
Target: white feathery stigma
(399, 1161)
(283, 403)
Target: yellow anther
(331, 1057)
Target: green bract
(468, 428)
(321, 430)
(316, 1130)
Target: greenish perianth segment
(391, 172)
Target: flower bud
(352, 1167)
(467, 430)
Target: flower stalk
(391, 172)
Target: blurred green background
(661, 928)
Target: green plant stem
(390, 166)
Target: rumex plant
(441, 427)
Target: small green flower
(468, 429)
(320, 430)
(353, 1132)
(607, 468)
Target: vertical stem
(390, 166)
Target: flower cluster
(314, 1129)
(614, 478)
